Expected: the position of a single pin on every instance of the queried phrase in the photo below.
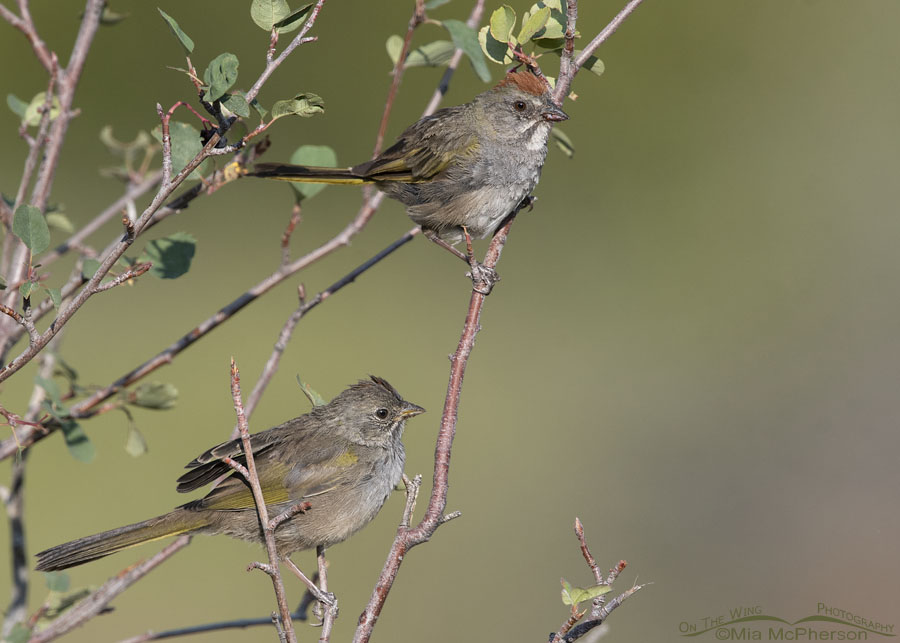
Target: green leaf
(171, 256)
(311, 394)
(434, 4)
(154, 395)
(17, 105)
(59, 603)
(89, 268)
(186, 144)
(502, 22)
(50, 388)
(34, 111)
(563, 142)
(594, 64)
(236, 104)
(262, 111)
(60, 222)
(80, 447)
(394, 46)
(556, 24)
(31, 227)
(26, 289)
(494, 49)
(265, 13)
(220, 75)
(18, 634)
(432, 54)
(122, 148)
(465, 38)
(304, 104)
(135, 444)
(109, 17)
(320, 155)
(55, 296)
(534, 23)
(183, 38)
(57, 581)
(3, 283)
(294, 19)
(575, 595)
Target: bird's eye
(519, 105)
(381, 413)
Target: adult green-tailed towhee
(465, 166)
(344, 458)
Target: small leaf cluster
(439, 52)
(543, 25)
(221, 75)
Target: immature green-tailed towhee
(344, 458)
(465, 166)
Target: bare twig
(26, 26)
(417, 18)
(331, 611)
(132, 192)
(268, 529)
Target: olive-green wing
(425, 149)
(282, 481)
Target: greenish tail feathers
(109, 542)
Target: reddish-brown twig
(268, 528)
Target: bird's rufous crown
(524, 80)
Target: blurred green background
(694, 347)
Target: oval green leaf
(183, 38)
(171, 256)
(502, 22)
(317, 155)
(265, 13)
(534, 23)
(432, 54)
(394, 46)
(304, 105)
(31, 227)
(220, 75)
(465, 38)
(294, 19)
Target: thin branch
(132, 273)
(26, 26)
(132, 192)
(417, 18)
(407, 538)
(272, 65)
(97, 601)
(472, 22)
(242, 623)
(564, 82)
(15, 508)
(268, 529)
(331, 611)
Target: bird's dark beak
(411, 410)
(554, 114)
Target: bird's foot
(483, 277)
(319, 608)
(527, 202)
